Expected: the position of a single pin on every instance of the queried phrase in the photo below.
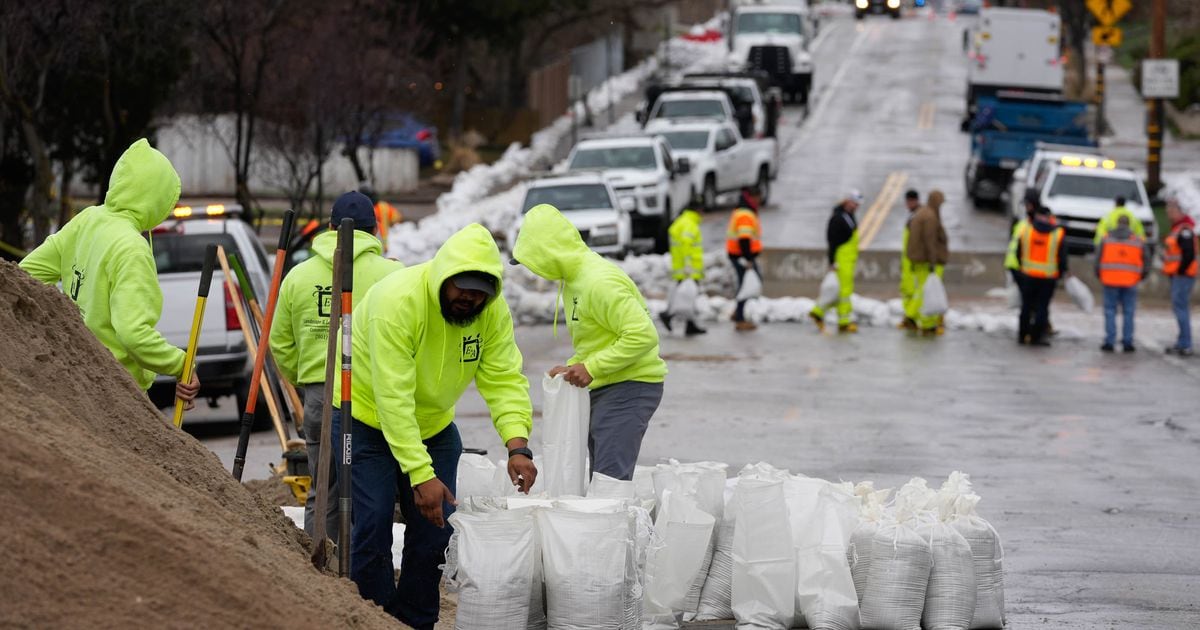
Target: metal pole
(1154, 107)
(1100, 122)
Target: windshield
(769, 23)
(1099, 187)
(184, 253)
(568, 198)
(691, 109)
(687, 140)
(641, 158)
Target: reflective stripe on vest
(743, 224)
(1039, 253)
(1173, 256)
(1121, 261)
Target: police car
(1081, 190)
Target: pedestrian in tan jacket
(929, 250)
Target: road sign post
(1162, 71)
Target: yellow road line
(887, 199)
(869, 217)
(925, 117)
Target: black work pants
(739, 315)
(1036, 294)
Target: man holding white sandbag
(928, 250)
(615, 341)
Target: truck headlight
(862, 4)
(893, 4)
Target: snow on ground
(1186, 188)
(474, 196)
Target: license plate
(1009, 164)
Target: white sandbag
(476, 476)
(584, 557)
(858, 550)
(751, 286)
(643, 484)
(704, 482)
(684, 532)
(764, 565)
(1080, 294)
(897, 578)
(950, 597)
(681, 302)
(830, 290)
(493, 569)
(933, 297)
(957, 507)
(821, 513)
(716, 595)
(1012, 293)
(604, 487)
(565, 419)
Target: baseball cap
(855, 196)
(354, 205)
(475, 281)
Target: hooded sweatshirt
(107, 268)
(840, 230)
(301, 330)
(927, 241)
(410, 366)
(610, 325)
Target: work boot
(907, 323)
(1108, 347)
(1129, 348)
(693, 329)
(1182, 352)
(929, 332)
(818, 320)
(1040, 343)
(666, 319)
(745, 326)
(848, 328)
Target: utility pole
(1102, 54)
(1154, 106)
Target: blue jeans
(376, 482)
(1126, 298)
(1181, 295)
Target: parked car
(222, 360)
(588, 201)
(642, 168)
(877, 7)
(719, 159)
(1080, 191)
(688, 103)
(749, 90)
(774, 38)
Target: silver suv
(222, 362)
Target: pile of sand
(112, 518)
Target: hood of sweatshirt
(144, 187)
(549, 245)
(325, 243)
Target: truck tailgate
(179, 304)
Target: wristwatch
(521, 451)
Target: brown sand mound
(112, 518)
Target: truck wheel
(764, 185)
(709, 199)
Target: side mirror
(683, 166)
(627, 204)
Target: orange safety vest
(1039, 252)
(743, 224)
(1121, 261)
(1174, 255)
(385, 215)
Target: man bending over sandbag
(615, 341)
(420, 336)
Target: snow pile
(1186, 188)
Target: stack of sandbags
(764, 561)
(717, 593)
(959, 502)
(822, 515)
(899, 565)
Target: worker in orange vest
(1043, 261)
(1179, 264)
(743, 243)
(385, 214)
(1120, 265)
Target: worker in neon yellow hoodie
(615, 341)
(419, 337)
(300, 334)
(107, 268)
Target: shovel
(189, 359)
(322, 467)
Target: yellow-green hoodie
(301, 330)
(610, 326)
(107, 268)
(410, 366)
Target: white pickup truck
(222, 362)
(1081, 192)
(719, 159)
(1045, 156)
(642, 168)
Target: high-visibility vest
(1173, 255)
(385, 215)
(1121, 261)
(743, 224)
(1039, 252)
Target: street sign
(1106, 36)
(1160, 78)
(1104, 54)
(1108, 12)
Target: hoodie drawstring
(557, 301)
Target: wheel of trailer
(764, 186)
(709, 198)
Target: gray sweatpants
(314, 404)
(620, 414)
